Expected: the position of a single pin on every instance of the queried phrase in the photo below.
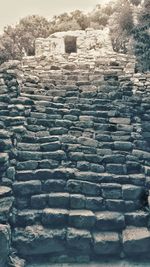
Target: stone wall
(75, 158)
(88, 41)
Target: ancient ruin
(74, 156)
(80, 42)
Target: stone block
(37, 240)
(54, 185)
(103, 138)
(27, 155)
(83, 166)
(48, 164)
(5, 238)
(28, 217)
(58, 200)
(133, 167)
(91, 189)
(39, 201)
(82, 219)
(93, 158)
(27, 165)
(58, 131)
(79, 240)
(118, 120)
(94, 203)
(116, 168)
(56, 155)
(97, 168)
(115, 205)
(76, 156)
(137, 179)
(141, 154)
(28, 147)
(131, 192)
(138, 218)
(74, 186)
(123, 146)
(5, 191)
(136, 240)
(5, 144)
(55, 217)
(114, 158)
(106, 243)
(27, 188)
(87, 142)
(6, 204)
(108, 220)
(52, 146)
(25, 175)
(63, 123)
(77, 201)
(4, 157)
(111, 191)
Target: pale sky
(11, 11)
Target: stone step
(57, 240)
(38, 240)
(72, 194)
(37, 97)
(137, 219)
(81, 219)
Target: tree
(141, 35)
(30, 28)
(82, 19)
(135, 2)
(121, 26)
(20, 39)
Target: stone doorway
(70, 44)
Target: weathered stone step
(45, 174)
(58, 240)
(37, 97)
(109, 221)
(34, 155)
(38, 240)
(136, 240)
(81, 219)
(137, 219)
(6, 204)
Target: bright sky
(11, 11)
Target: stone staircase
(80, 188)
(81, 162)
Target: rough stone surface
(106, 243)
(136, 240)
(74, 153)
(4, 244)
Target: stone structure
(80, 42)
(74, 158)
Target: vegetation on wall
(19, 40)
(141, 35)
(121, 25)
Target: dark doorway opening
(70, 44)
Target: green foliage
(135, 2)
(19, 40)
(82, 19)
(121, 26)
(141, 35)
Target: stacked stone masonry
(74, 158)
